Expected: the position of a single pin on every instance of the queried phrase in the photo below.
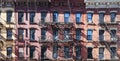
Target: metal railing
(53, 39)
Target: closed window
(55, 52)
(9, 33)
(9, 15)
(66, 34)
(20, 33)
(78, 17)
(32, 52)
(20, 17)
(9, 52)
(43, 33)
(89, 55)
(32, 15)
(66, 17)
(101, 17)
(89, 34)
(55, 16)
(113, 52)
(101, 35)
(32, 34)
(113, 33)
(43, 16)
(78, 34)
(21, 52)
(89, 17)
(101, 53)
(43, 51)
(113, 16)
(55, 34)
(78, 52)
(67, 52)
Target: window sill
(79, 22)
(9, 39)
(21, 23)
(10, 22)
(91, 23)
(90, 59)
(32, 23)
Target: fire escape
(63, 36)
(111, 39)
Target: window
(101, 53)
(32, 15)
(9, 15)
(101, 35)
(89, 55)
(32, 51)
(9, 52)
(113, 35)
(113, 52)
(89, 34)
(67, 52)
(66, 34)
(43, 51)
(20, 17)
(78, 34)
(101, 17)
(55, 16)
(20, 33)
(55, 52)
(55, 34)
(43, 16)
(78, 52)
(43, 33)
(9, 33)
(32, 34)
(78, 17)
(113, 16)
(66, 17)
(89, 17)
(21, 52)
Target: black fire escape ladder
(107, 28)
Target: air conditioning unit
(114, 39)
(90, 21)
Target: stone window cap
(90, 11)
(101, 11)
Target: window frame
(89, 37)
(90, 17)
(20, 33)
(102, 53)
(32, 36)
(78, 19)
(90, 53)
(55, 51)
(9, 52)
(20, 53)
(9, 16)
(33, 52)
(32, 17)
(20, 17)
(112, 18)
(55, 16)
(43, 16)
(66, 17)
(67, 52)
(9, 33)
(101, 18)
(78, 34)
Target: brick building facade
(63, 30)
